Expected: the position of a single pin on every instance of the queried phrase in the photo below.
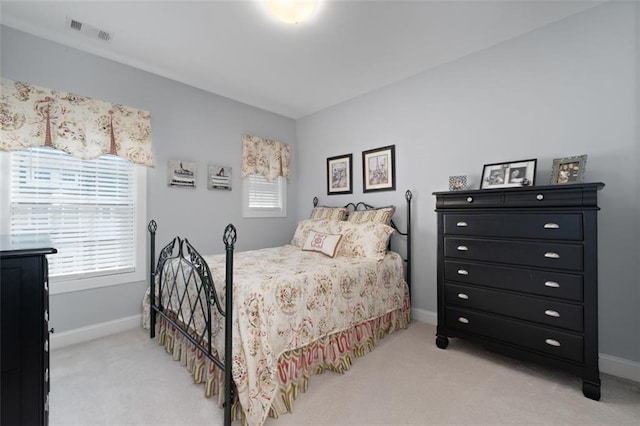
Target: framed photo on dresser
(568, 170)
(511, 174)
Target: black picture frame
(339, 174)
(509, 174)
(379, 169)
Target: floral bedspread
(286, 298)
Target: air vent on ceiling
(88, 30)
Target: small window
(264, 198)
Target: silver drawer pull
(551, 284)
(46, 375)
(461, 224)
(551, 226)
(46, 404)
(463, 320)
(46, 345)
(46, 285)
(463, 296)
(539, 197)
(552, 313)
(469, 199)
(552, 255)
(46, 315)
(463, 248)
(463, 272)
(552, 342)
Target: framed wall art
(568, 170)
(218, 177)
(182, 173)
(511, 174)
(339, 172)
(379, 169)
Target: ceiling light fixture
(292, 11)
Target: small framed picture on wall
(379, 169)
(182, 173)
(339, 172)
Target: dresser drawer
(535, 225)
(543, 283)
(557, 197)
(543, 339)
(543, 311)
(473, 200)
(546, 255)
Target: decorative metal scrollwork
(153, 226)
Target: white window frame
(62, 284)
(280, 185)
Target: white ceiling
(235, 49)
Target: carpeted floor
(127, 379)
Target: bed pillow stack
(365, 233)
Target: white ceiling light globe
(292, 11)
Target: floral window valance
(264, 157)
(32, 116)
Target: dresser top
(573, 186)
(581, 195)
(25, 245)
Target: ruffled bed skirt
(334, 352)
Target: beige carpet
(127, 379)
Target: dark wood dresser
(24, 342)
(518, 273)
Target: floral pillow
(331, 213)
(326, 244)
(307, 225)
(367, 239)
(380, 215)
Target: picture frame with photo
(182, 173)
(509, 174)
(568, 170)
(379, 169)
(339, 174)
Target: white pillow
(326, 244)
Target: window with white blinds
(264, 198)
(87, 207)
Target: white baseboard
(608, 364)
(94, 331)
(425, 316)
(620, 367)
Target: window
(264, 198)
(93, 211)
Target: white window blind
(264, 198)
(88, 208)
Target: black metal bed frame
(185, 261)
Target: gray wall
(567, 89)
(187, 124)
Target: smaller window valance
(264, 157)
(32, 116)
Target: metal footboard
(183, 280)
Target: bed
(281, 314)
